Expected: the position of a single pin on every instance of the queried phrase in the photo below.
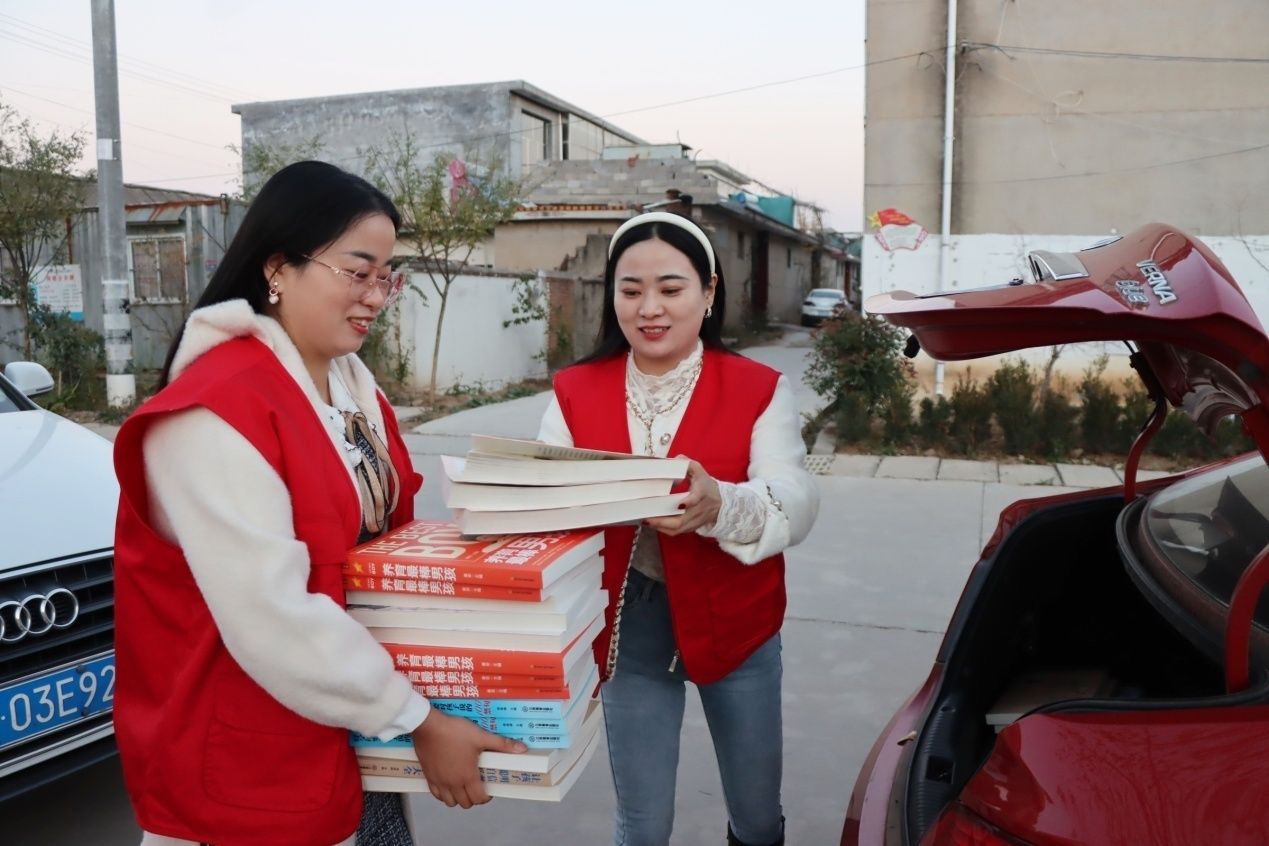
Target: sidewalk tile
(855, 465)
(963, 470)
(1029, 474)
(1087, 476)
(908, 467)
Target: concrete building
(1072, 122)
(175, 242)
(512, 123)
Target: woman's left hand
(700, 506)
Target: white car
(58, 496)
(821, 304)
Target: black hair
(611, 339)
(302, 208)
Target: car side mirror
(28, 377)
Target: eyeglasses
(389, 282)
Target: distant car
(821, 304)
(1105, 676)
(58, 496)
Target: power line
(87, 46)
(135, 126)
(1100, 54)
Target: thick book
(392, 625)
(457, 685)
(387, 776)
(402, 746)
(479, 468)
(438, 551)
(581, 516)
(532, 761)
(490, 497)
(511, 661)
(556, 599)
(473, 708)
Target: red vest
(722, 610)
(207, 754)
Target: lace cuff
(741, 518)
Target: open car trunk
(1075, 706)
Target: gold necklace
(647, 418)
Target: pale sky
(183, 62)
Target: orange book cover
(464, 589)
(436, 551)
(408, 657)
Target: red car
(1105, 677)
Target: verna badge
(1157, 282)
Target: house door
(758, 298)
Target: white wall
(475, 348)
(981, 260)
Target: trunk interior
(1054, 603)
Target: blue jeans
(643, 716)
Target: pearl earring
(274, 295)
(709, 312)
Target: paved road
(870, 592)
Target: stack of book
(495, 629)
(505, 485)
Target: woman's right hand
(448, 748)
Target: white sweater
(217, 498)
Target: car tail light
(957, 826)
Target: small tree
(448, 212)
(38, 192)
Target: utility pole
(121, 382)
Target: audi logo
(34, 613)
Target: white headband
(666, 217)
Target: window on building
(740, 244)
(585, 139)
(535, 139)
(158, 268)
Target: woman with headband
(698, 596)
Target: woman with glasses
(267, 454)
(699, 596)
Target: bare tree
(38, 193)
(260, 161)
(449, 205)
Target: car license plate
(53, 700)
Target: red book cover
(408, 658)
(436, 551)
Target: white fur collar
(210, 326)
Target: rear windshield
(1210, 527)
(826, 293)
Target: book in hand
(477, 708)
(438, 551)
(576, 517)
(495, 497)
(400, 626)
(558, 466)
(541, 774)
(407, 657)
(555, 614)
(456, 684)
(555, 599)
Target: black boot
(733, 840)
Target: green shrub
(1058, 432)
(1100, 427)
(854, 423)
(1012, 390)
(896, 415)
(971, 415)
(74, 354)
(934, 422)
(858, 356)
(1178, 437)
(1136, 408)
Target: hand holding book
(700, 506)
(448, 749)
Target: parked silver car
(821, 304)
(58, 496)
